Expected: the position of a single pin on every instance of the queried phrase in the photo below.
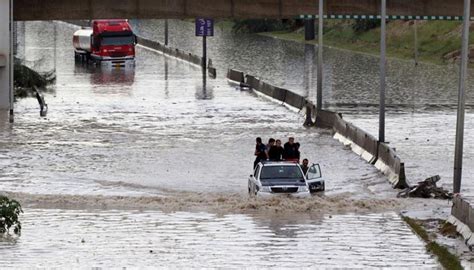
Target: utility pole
(382, 71)
(458, 149)
(319, 93)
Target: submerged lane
(80, 239)
(160, 126)
(159, 137)
(421, 100)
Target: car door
(314, 174)
(253, 180)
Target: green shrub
(9, 212)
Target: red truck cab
(109, 42)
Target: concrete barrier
(188, 57)
(365, 145)
(212, 72)
(279, 93)
(389, 163)
(462, 216)
(235, 75)
(252, 82)
(294, 100)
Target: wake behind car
(272, 178)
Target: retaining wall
(367, 146)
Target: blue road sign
(204, 27)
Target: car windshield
(281, 173)
(115, 41)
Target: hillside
(438, 41)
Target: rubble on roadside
(426, 189)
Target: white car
(282, 177)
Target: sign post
(204, 29)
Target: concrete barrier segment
(462, 216)
(212, 72)
(294, 100)
(174, 52)
(235, 75)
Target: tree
(10, 210)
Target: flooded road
(421, 100)
(158, 127)
(157, 159)
(72, 239)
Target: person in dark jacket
(304, 165)
(260, 152)
(276, 152)
(291, 150)
(271, 142)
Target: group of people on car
(273, 151)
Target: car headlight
(265, 189)
(303, 189)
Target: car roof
(279, 163)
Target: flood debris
(426, 189)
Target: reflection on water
(195, 240)
(309, 53)
(204, 91)
(104, 76)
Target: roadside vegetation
(10, 211)
(438, 42)
(25, 79)
(445, 257)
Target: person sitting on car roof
(260, 152)
(276, 152)
(271, 142)
(291, 150)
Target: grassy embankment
(435, 38)
(445, 258)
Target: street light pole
(382, 71)
(458, 149)
(319, 92)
